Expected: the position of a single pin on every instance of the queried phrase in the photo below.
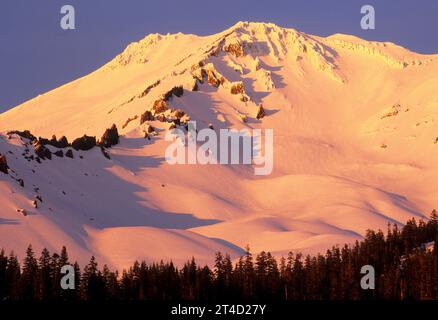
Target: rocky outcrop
(195, 86)
(128, 121)
(208, 72)
(110, 137)
(105, 153)
(59, 154)
(160, 106)
(149, 129)
(57, 143)
(213, 78)
(260, 112)
(23, 212)
(237, 88)
(42, 152)
(177, 91)
(3, 164)
(24, 134)
(146, 116)
(161, 118)
(148, 89)
(176, 116)
(393, 111)
(236, 49)
(69, 153)
(84, 143)
(61, 143)
(184, 119)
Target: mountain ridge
(355, 129)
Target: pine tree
(55, 270)
(297, 281)
(273, 276)
(76, 294)
(29, 277)
(204, 283)
(248, 274)
(3, 279)
(13, 277)
(92, 282)
(188, 276)
(45, 282)
(111, 283)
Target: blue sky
(36, 55)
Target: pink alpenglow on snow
(331, 102)
(229, 147)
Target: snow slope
(355, 125)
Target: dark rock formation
(3, 164)
(150, 129)
(24, 134)
(59, 153)
(260, 113)
(175, 91)
(105, 153)
(146, 116)
(148, 89)
(43, 141)
(62, 142)
(160, 106)
(237, 88)
(236, 49)
(178, 113)
(69, 153)
(161, 118)
(23, 212)
(213, 79)
(110, 137)
(84, 143)
(42, 152)
(128, 121)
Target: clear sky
(36, 55)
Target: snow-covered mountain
(355, 147)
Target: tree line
(404, 269)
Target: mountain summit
(355, 147)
